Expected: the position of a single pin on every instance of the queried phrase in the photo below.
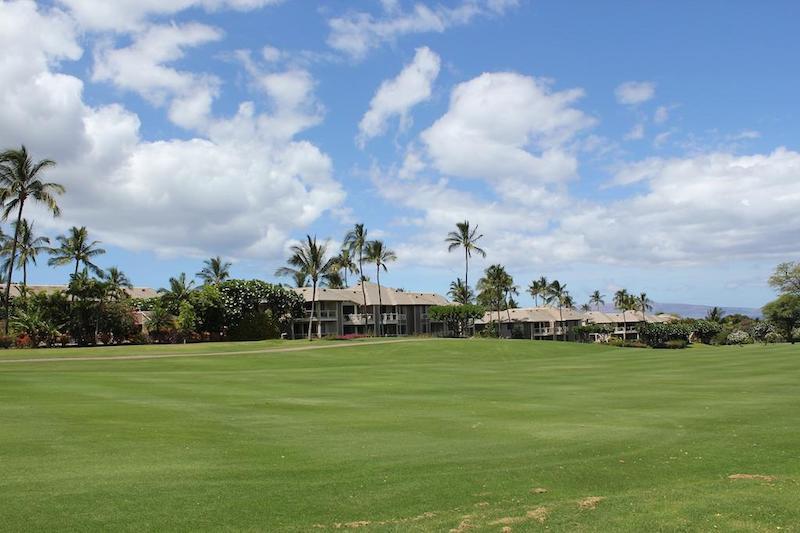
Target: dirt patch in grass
(364, 523)
(464, 525)
(538, 490)
(757, 477)
(590, 503)
(539, 514)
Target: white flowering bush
(739, 337)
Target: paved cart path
(134, 357)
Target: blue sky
(646, 145)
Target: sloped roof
(135, 292)
(388, 295)
(532, 314)
(598, 317)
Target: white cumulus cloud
(397, 96)
(635, 92)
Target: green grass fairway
(417, 436)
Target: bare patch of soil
(538, 490)
(539, 514)
(590, 503)
(757, 477)
(464, 525)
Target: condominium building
(353, 311)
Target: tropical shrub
(6, 341)
(739, 337)
(242, 299)
(583, 333)
(186, 321)
(772, 337)
(621, 343)
(255, 326)
(457, 318)
(489, 330)
(658, 333)
(784, 312)
(674, 344)
(704, 330)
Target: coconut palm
(345, 265)
(509, 290)
(624, 302)
(309, 258)
(715, 314)
(214, 271)
(557, 293)
(300, 278)
(159, 321)
(537, 289)
(586, 307)
(492, 289)
(467, 238)
(75, 246)
(28, 248)
(356, 242)
(19, 184)
(179, 290)
(116, 282)
(597, 300)
(644, 304)
(378, 253)
(459, 292)
(333, 279)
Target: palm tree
(459, 292)
(378, 253)
(19, 182)
(467, 238)
(28, 248)
(624, 302)
(75, 246)
(356, 242)
(645, 304)
(333, 279)
(537, 289)
(557, 292)
(344, 263)
(159, 321)
(586, 307)
(116, 282)
(308, 257)
(715, 314)
(300, 278)
(179, 290)
(597, 300)
(214, 271)
(509, 289)
(492, 289)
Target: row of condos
(353, 311)
(552, 323)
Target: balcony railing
(549, 331)
(393, 317)
(358, 318)
(321, 314)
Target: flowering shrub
(350, 337)
(739, 337)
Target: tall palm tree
(597, 300)
(459, 292)
(300, 278)
(645, 304)
(586, 307)
(509, 290)
(378, 253)
(356, 242)
(624, 302)
(75, 246)
(310, 258)
(28, 248)
(492, 287)
(333, 279)
(467, 238)
(537, 289)
(116, 282)
(345, 264)
(19, 182)
(715, 314)
(557, 293)
(179, 290)
(214, 271)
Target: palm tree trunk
(624, 327)
(313, 297)
(11, 265)
(25, 275)
(564, 329)
(466, 269)
(363, 290)
(378, 315)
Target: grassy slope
(388, 433)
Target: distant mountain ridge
(696, 311)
